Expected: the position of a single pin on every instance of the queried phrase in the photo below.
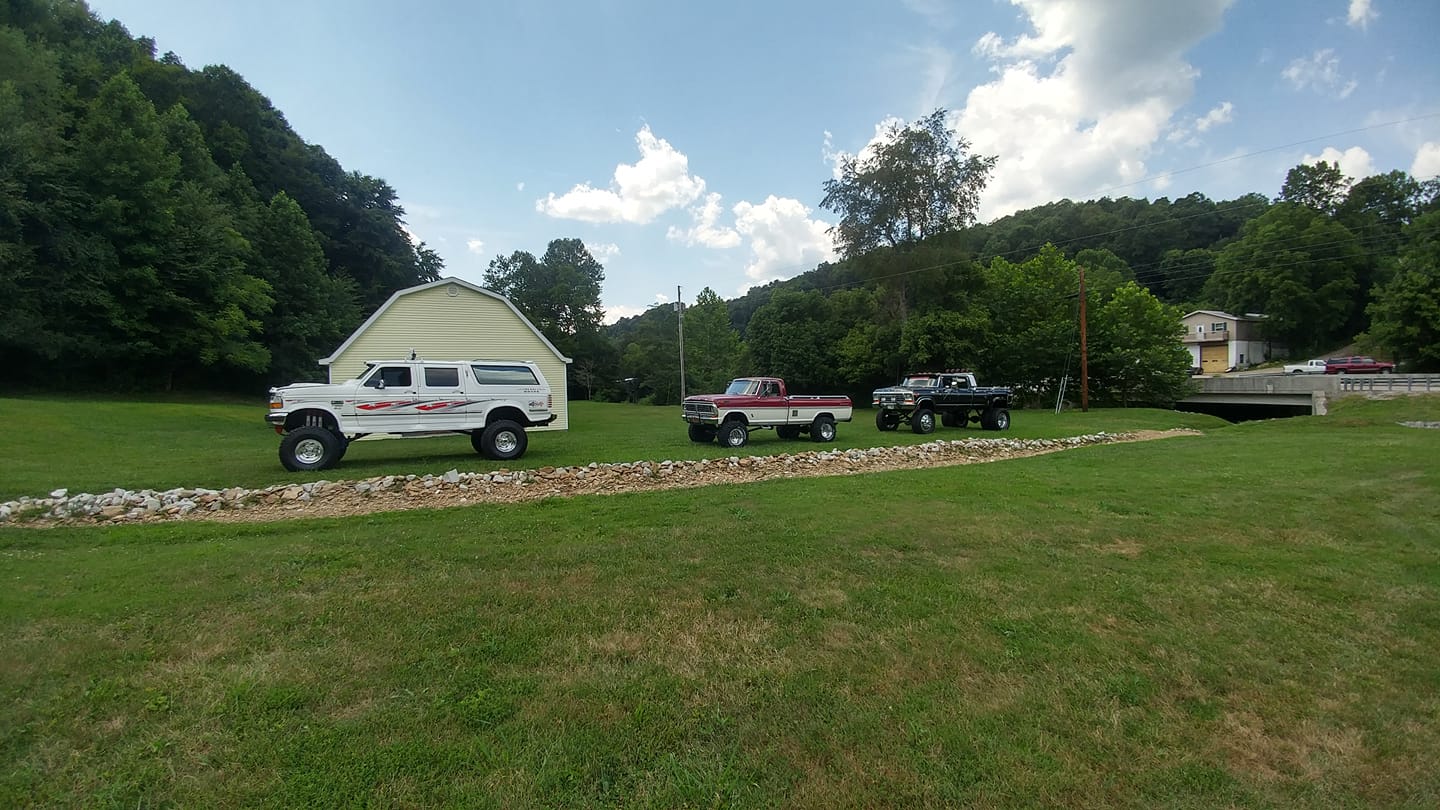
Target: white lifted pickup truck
(492, 401)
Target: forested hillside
(1329, 260)
(165, 227)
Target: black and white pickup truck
(953, 395)
(492, 401)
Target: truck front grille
(699, 409)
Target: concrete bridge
(1305, 390)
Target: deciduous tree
(917, 181)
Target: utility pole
(1084, 358)
(680, 310)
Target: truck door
(386, 400)
(770, 406)
(443, 402)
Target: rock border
(454, 488)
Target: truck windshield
(918, 382)
(741, 387)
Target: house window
(1199, 329)
(1217, 327)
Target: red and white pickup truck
(752, 403)
(1357, 365)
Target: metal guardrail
(1407, 383)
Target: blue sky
(686, 143)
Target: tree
(1136, 357)
(1405, 315)
(794, 336)
(1297, 267)
(1034, 329)
(1182, 273)
(713, 353)
(313, 310)
(559, 293)
(917, 182)
(1318, 186)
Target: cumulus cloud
(1427, 161)
(1355, 163)
(1079, 102)
(475, 246)
(703, 231)
(1217, 116)
(638, 192)
(1361, 14)
(618, 311)
(520, 186)
(784, 240)
(1319, 72)
(603, 251)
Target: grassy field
(98, 445)
(1244, 618)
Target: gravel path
(454, 488)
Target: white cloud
(1361, 14)
(1078, 104)
(615, 313)
(784, 240)
(1320, 73)
(409, 234)
(704, 232)
(520, 186)
(638, 193)
(835, 156)
(475, 246)
(1217, 116)
(603, 251)
(1355, 163)
(1427, 161)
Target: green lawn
(1244, 618)
(98, 445)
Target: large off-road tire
(734, 434)
(310, 448)
(503, 440)
(886, 420)
(951, 419)
(922, 421)
(702, 434)
(788, 432)
(995, 419)
(822, 429)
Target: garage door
(1214, 359)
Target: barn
(452, 319)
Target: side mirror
(380, 384)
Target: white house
(1218, 340)
(452, 319)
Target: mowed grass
(1245, 618)
(90, 445)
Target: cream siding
(468, 325)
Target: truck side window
(442, 377)
(390, 376)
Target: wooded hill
(1329, 261)
(162, 226)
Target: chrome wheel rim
(309, 451)
(506, 442)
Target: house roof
(1249, 316)
(460, 282)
